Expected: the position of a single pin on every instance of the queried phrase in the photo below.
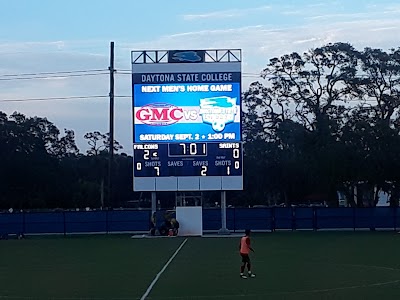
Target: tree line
(43, 168)
(323, 121)
(315, 123)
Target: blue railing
(263, 219)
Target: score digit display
(188, 159)
(187, 149)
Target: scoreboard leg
(153, 202)
(223, 229)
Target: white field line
(312, 291)
(162, 271)
(327, 290)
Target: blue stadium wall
(262, 219)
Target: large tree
(310, 90)
(371, 129)
(31, 150)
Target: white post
(153, 202)
(355, 195)
(223, 229)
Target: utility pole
(111, 134)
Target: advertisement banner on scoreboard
(184, 107)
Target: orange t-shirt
(245, 245)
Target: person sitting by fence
(153, 224)
(175, 226)
(165, 227)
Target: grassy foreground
(299, 265)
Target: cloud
(213, 32)
(316, 5)
(385, 28)
(86, 47)
(18, 47)
(305, 41)
(325, 17)
(392, 9)
(225, 13)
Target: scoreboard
(187, 159)
(187, 120)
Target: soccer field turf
(298, 265)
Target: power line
(52, 98)
(52, 77)
(53, 73)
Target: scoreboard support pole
(153, 202)
(223, 229)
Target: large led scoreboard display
(187, 120)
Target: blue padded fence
(263, 219)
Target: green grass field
(299, 265)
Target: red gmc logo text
(159, 114)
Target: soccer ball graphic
(218, 126)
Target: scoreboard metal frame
(187, 162)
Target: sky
(65, 36)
